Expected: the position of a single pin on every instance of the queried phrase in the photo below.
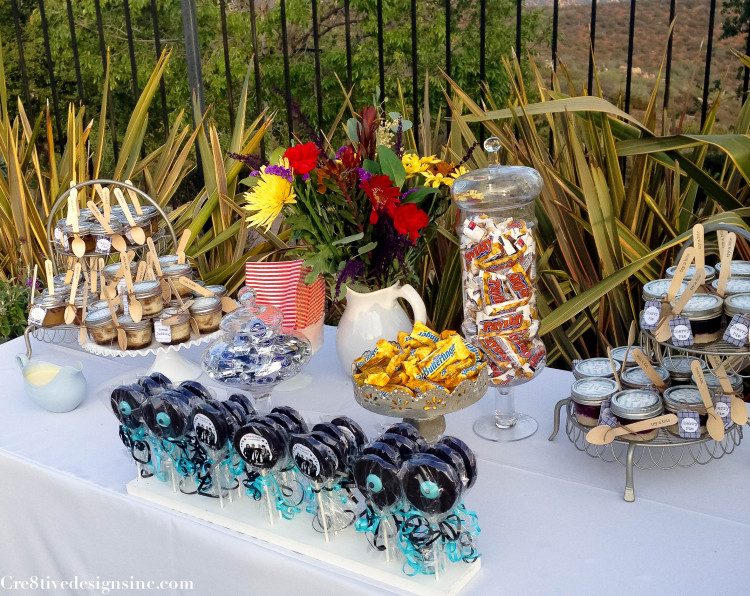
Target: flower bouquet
(361, 216)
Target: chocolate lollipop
(211, 426)
(378, 481)
(407, 430)
(125, 401)
(261, 445)
(244, 402)
(294, 415)
(166, 416)
(406, 447)
(343, 447)
(290, 425)
(452, 458)
(161, 379)
(150, 386)
(470, 460)
(237, 412)
(352, 430)
(387, 452)
(430, 485)
(196, 389)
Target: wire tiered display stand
(163, 240)
(666, 451)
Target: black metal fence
(196, 80)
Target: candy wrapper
(418, 362)
(500, 314)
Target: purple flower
(30, 282)
(340, 151)
(306, 177)
(254, 162)
(281, 172)
(364, 175)
(255, 173)
(408, 192)
(399, 147)
(353, 269)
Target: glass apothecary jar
(495, 226)
(252, 352)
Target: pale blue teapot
(51, 387)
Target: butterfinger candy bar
(447, 351)
(421, 386)
(406, 341)
(447, 333)
(424, 335)
(378, 357)
(379, 378)
(411, 368)
(387, 389)
(422, 353)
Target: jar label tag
(737, 330)
(58, 235)
(65, 242)
(682, 332)
(606, 416)
(689, 424)
(103, 245)
(651, 315)
(37, 314)
(723, 407)
(163, 333)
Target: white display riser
(348, 550)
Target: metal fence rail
(197, 84)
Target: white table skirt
(553, 520)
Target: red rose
(382, 194)
(409, 219)
(302, 158)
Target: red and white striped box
(283, 285)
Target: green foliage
(14, 305)
(737, 20)
(430, 31)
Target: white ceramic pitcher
(370, 316)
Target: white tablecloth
(553, 520)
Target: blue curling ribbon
(178, 453)
(369, 521)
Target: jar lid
(683, 394)
(738, 268)
(635, 375)
(59, 280)
(735, 285)
(618, 354)
(177, 270)
(147, 289)
(658, 288)
(52, 300)
(148, 210)
(98, 230)
(98, 318)
(636, 404)
(217, 290)
(61, 290)
(98, 305)
(205, 305)
(496, 186)
(183, 317)
(84, 227)
(679, 366)
(595, 367)
(166, 260)
(737, 304)
(714, 384)
(260, 320)
(592, 391)
(710, 272)
(702, 306)
(127, 323)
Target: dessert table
(553, 520)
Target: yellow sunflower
(413, 164)
(267, 199)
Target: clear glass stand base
(488, 428)
(505, 424)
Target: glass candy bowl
(252, 353)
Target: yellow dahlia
(268, 197)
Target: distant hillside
(651, 29)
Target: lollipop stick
(218, 488)
(174, 480)
(268, 501)
(322, 513)
(435, 561)
(385, 539)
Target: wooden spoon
(134, 198)
(50, 277)
(136, 310)
(122, 337)
(79, 246)
(136, 233)
(166, 291)
(603, 434)
(727, 251)
(663, 333)
(227, 304)
(33, 284)
(715, 424)
(183, 308)
(69, 272)
(140, 275)
(82, 331)
(631, 341)
(739, 408)
(70, 310)
(184, 239)
(700, 249)
(642, 361)
(118, 242)
(106, 204)
(614, 369)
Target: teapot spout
(22, 361)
